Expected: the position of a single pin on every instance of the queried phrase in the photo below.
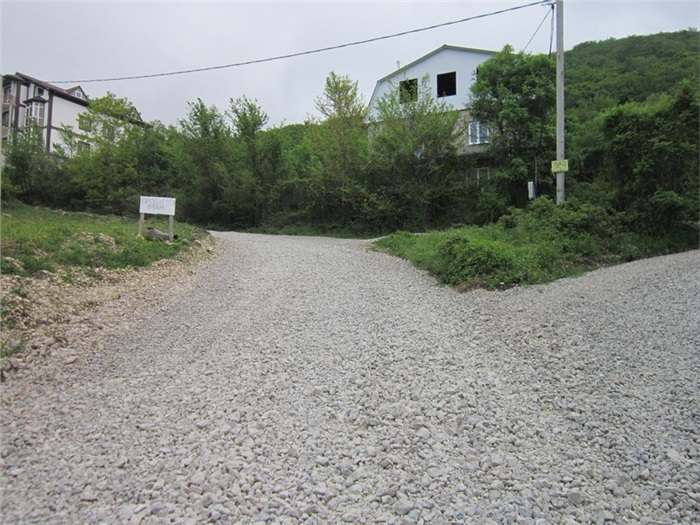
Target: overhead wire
(549, 12)
(301, 53)
(551, 33)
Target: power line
(302, 53)
(551, 34)
(549, 11)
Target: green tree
(248, 119)
(290, 158)
(339, 146)
(652, 154)
(514, 95)
(252, 153)
(202, 166)
(600, 75)
(29, 172)
(102, 156)
(413, 155)
(603, 75)
(155, 160)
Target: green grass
(38, 239)
(537, 245)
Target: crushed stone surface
(310, 380)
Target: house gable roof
(77, 92)
(435, 52)
(380, 86)
(57, 91)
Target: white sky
(85, 40)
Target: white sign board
(157, 206)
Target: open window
(447, 84)
(408, 90)
(84, 123)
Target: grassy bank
(540, 244)
(36, 239)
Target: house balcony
(7, 101)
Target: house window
(109, 133)
(38, 91)
(84, 123)
(6, 119)
(35, 114)
(447, 84)
(7, 95)
(408, 90)
(478, 133)
(479, 175)
(83, 147)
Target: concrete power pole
(561, 166)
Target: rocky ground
(306, 380)
(63, 314)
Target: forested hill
(611, 72)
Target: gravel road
(307, 380)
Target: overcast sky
(59, 40)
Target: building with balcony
(27, 102)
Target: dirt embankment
(63, 314)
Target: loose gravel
(307, 380)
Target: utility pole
(561, 164)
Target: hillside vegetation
(617, 71)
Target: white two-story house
(27, 100)
(451, 71)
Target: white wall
(462, 61)
(65, 113)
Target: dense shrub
(538, 244)
(482, 263)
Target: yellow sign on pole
(560, 166)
